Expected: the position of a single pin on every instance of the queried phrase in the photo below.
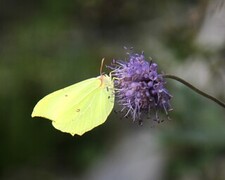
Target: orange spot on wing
(101, 79)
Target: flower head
(139, 87)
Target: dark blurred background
(49, 44)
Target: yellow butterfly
(79, 108)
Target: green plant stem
(195, 89)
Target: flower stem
(195, 89)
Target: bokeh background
(49, 44)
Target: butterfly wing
(80, 107)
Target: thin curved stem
(195, 89)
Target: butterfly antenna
(102, 65)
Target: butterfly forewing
(56, 103)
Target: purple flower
(139, 87)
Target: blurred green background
(48, 45)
